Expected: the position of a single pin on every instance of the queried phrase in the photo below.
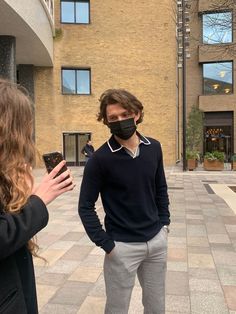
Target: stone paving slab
(201, 269)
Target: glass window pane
(218, 78)
(82, 12)
(68, 81)
(67, 12)
(70, 151)
(217, 28)
(83, 82)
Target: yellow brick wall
(128, 44)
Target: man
(87, 150)
(128, 173)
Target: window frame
(214, 62)
(75, 69)
(74, 1)
(232, 30)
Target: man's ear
(137, 116)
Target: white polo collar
(115, 146)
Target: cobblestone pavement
(201, 275)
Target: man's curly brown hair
(122, 97)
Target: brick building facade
(122, 44)
(211, 70)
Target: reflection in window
(218, 78)
(69, 145)
(82, 12)
(217, 28)
(75, 11)
(67, 9)
(76, 81)
(83, 82)
(68, 82)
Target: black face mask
(124, 129)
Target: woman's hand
(52, 186)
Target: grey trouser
(147, 260)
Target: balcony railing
(49, 9)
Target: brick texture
(128, 44)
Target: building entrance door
(72, 146)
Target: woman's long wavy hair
(17, 150)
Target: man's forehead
(116, 107)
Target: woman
(23, 210)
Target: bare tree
(218, 23)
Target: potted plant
(233, 162)
(192, 159)
(214, 160)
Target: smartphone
(51, 160)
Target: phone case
(51, 160)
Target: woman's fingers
(53, 185)
(64, 180)
(55, 170)
(66, 185)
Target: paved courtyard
(201, 275)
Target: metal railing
(49, 9)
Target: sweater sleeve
(17, 229)
(162, 199)
(89, 192)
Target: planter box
(192, 164)
(233, 165)
(213, 165)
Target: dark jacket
(133, 193)
(87, 150)
(17, 280)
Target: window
(76, 12)
(217, 28)
(218, 78)
(76, 81)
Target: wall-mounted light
(227, 90)
(215, 86)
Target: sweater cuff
(108, 246)
(41, 207)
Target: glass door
(69, 148)
(82, 140)
(72, 146)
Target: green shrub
(192, 155)
(214, 156)
(194, 133)
(233, 158)
(58, 33)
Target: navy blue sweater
(133, 193)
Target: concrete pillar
(8, 57)
(26, 77)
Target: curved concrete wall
(32, 26)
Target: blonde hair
(17, 150)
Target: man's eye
(127, 114)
